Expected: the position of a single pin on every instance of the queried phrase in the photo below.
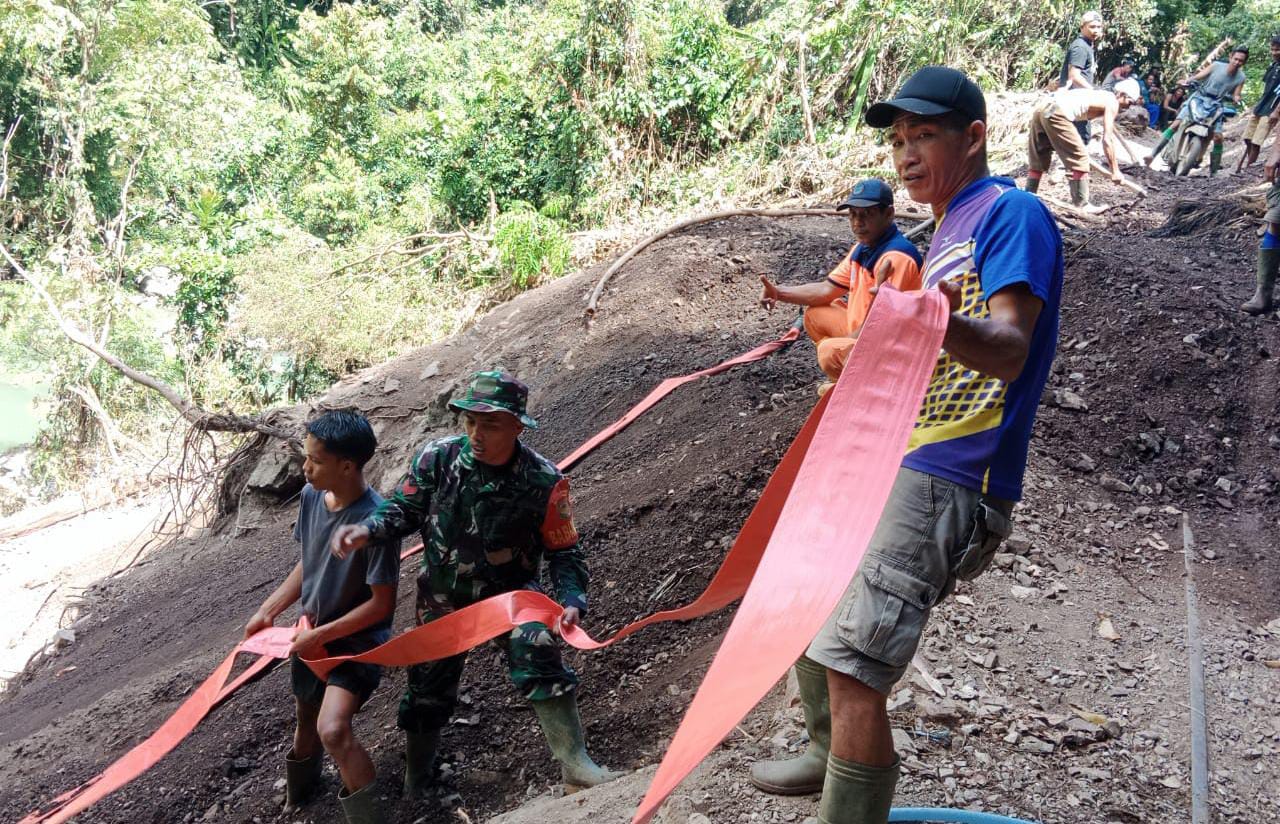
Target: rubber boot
(856, 794)
(562, 727)
(1165, 137)
(361, 806)
(419, 760)
(1079, 187)
(805, 773)
(1032, 185)
(1268, 264)
(1215, 159)
(301, 778)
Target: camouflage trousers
(533, 661)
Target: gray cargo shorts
(1273, 203)
(932, 531)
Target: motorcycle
(1203, 115)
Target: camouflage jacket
(485, 529)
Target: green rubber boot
(1032, 185)
(1268, 264)
(562, 727)
(361, 807)
(1165, 137)
(1215, 159)
(1079, 191)
(419, 760)
(856, 794)
(301, 778)
(805, 773)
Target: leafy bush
(530, 247)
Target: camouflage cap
(495, 391)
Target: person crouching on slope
(349, 602)
(1053, 129)
(836, 308)
(490, 510)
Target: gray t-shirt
(1220, 82)
(332, 587)
(1080, 55)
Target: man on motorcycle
(1053, 131)
(1217, 82)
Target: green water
(19, 418)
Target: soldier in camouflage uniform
(489, 509)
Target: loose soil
(1180, 415)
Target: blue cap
(869, 192)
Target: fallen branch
(1074, 211)
(594, 297)
(199, 418)
(1124, 181)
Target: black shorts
(359, 679)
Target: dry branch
(594, 297)
(1124, 181)
(199, 418)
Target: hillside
(1181, 401)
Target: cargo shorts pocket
(885, 614)
(990, 528)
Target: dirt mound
(652, 545)
(1163, 400)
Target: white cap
(1129, 88)
(1090, 17)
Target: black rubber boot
(301, 778)
(361, 806)
(419, 760)
(1215, 159)
(1164, 141)
(805, 773)
(1268, 264)
(856, 794)
(562, 727)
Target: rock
(902, 700)
(1034, 745)
(1066, 399)
(1082, 462)
(392, 385)
(1115, 485)
(279, 473)
(1004, 559)
(431, 370)
(943, 711)
(902, 741)
(1022, 593)
(1107, 630)
(1018, 544)
(63, 638)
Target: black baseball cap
(870, 192)
(932, 91)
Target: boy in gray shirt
(349, 603)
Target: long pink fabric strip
(825, 526)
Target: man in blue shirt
(997, 256)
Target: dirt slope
(1181, 402)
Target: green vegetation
(250, 198)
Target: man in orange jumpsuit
(836, 308)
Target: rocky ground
(1059, 679)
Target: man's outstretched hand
(348, 538)
(769, 293)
